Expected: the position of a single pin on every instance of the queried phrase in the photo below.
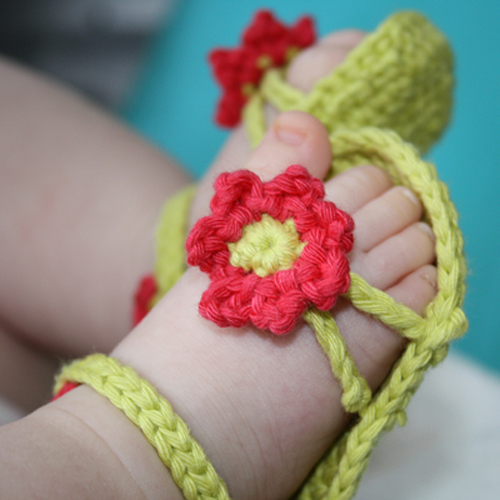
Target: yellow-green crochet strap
(170, 262)
(338, 474)
(399, 77)
(153, 414)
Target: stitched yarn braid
(170, 239)
(162, 427)
(338, 475)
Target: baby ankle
(119, 451)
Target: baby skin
(264, 408)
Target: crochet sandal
(398, 78)
(388, 101)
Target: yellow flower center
(264, 62)
(248, 89)
(267, 246)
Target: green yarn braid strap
(356, 393)
(399, 77)
(170, 237)
(337, 476)
(279, 93)
(383, 307)
(153, 414)
(254, 119)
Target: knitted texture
(267, 246)
(398, 78)
(162, 427)
(274, 301)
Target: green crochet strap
(254, 119)
(278, 92)
(355, 391)
(162, 427)
(170, 237)
(338, 474)
(399, 77)
(400, 160)
(383, 307)
(275, 91)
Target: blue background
(175, 97)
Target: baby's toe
(385, 216)
(417, 289)
(354, 188)
(401, 254)
(321, 59)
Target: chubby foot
(265, 408)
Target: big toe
(293, 138)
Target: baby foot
(306, 69)
(266, 408)
(299, 412)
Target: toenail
(426, 229)
(429, 280)
(411, 196)
(290, 135)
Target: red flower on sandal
(265, 43)
(142, 298)
(271, 249)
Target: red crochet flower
(265, 43)
(274, 300)
(143, 296)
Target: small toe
(417, 289)
(388, 263)
(316, 62)
(357, 186)
(385, 216)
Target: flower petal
(276, 301)
(265, 43)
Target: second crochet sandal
(388, 102)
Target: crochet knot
(265, 44)
(266, 247)
(271, 249)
